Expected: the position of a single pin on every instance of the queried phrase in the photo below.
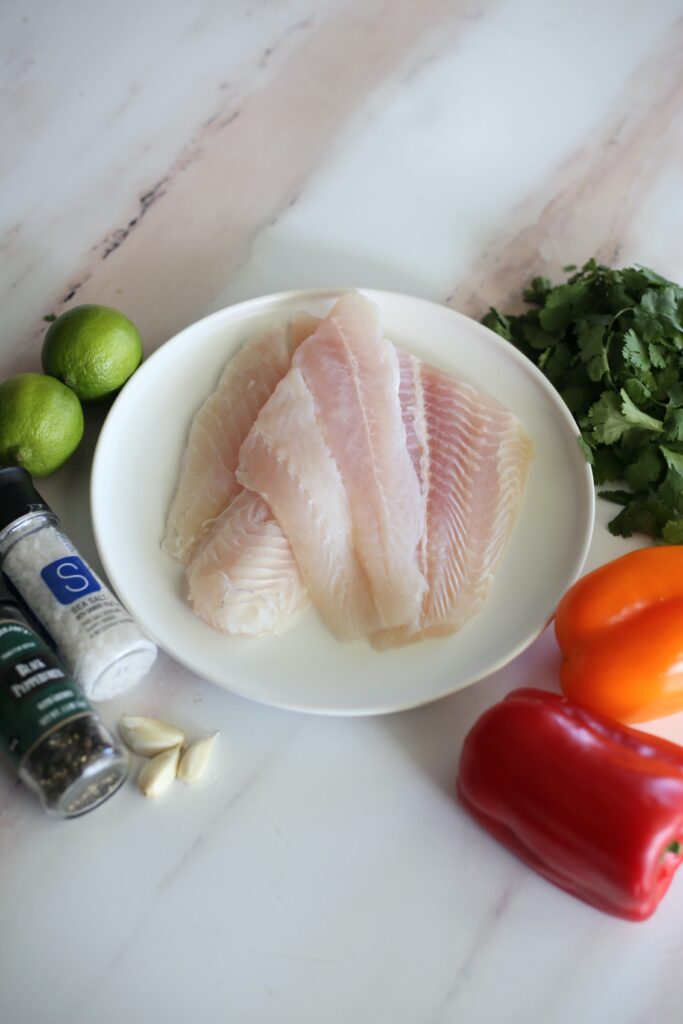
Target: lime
(93, 349)
(41, 423)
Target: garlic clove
(149, 736)
(195, 759)
(158, 774)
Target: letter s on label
(74, 577)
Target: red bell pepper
(593, 806)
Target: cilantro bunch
(611, 342)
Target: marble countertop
(170, 160)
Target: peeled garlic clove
(149, 736)
(195, 759)
(158, 774)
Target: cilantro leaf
(635, 351)
(586, 449)
(537, 292)
(662, 304)
(672, 531)
(537, 337)
(637, 390)
(671, 490)
(616, 497)
(673, 423)
(637, 281)
(657, 355)
(639, 516)
(591, 339)
(674, 461)
(578, 397)
(498, 322)
(563, 304)
(644, 470)
(607, 466)
(663, 381)
(635, 416)
(613, 416)
(611, 342)
(651, 276)
(555, 362)
(607, 420)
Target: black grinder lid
(18, 496)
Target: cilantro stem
(626, 309)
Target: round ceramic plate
(136, 467)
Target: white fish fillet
(353, 375)
(287, 461)
(207, 482)
(243, 577)
(472, 457)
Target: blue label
(69, 579)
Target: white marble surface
(169, 159)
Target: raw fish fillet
(207, 482)
(243, 577)
(353, 375)
(472, 456)
(287, 461)
(411, 397)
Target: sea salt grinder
(97, 639)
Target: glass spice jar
(48, 731)
(97, 639)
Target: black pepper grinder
(49, 732)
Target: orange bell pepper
(620, 630)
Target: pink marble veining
(589, 206)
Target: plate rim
(275, 299)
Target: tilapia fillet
(352, 373)
(243, 577)
(207, 482)
(286, 460)
(472, 456)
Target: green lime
(41, 423)
(93, 349)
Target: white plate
(135, 469)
